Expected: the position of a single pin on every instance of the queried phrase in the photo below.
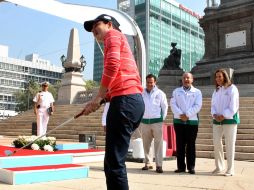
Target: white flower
(51, 138)
(48, 148)
(33, 137)
(35, 147)
(49, 142)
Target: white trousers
(42, 121)
(150, 131)
(229, 131)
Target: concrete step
(247, 149)
(245, 131)
(247, 116)
(240, 126)
(243, 121)
(207, 109)
(17, 130)
(238, 142)
(22, 175)
(10, 133)
(35, 160)
(205, 129)
(238, 136)
(66, 136)
(238, 155)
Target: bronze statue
(173, 61)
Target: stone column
(72, 82)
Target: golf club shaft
(64, 123)
(99, 47)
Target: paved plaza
(150, 180)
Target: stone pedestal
(72, 83)
(229, 38)
(168, 80)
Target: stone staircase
(21, 125)
(245, 90)
(245, 132)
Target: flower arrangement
(45, 143)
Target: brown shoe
(159, 169)
(146, 167)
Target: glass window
(137, 2)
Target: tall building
(167, 21)
(162, 22)
(16, 73)
(98, 62)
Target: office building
(162, 22)
(16, 73)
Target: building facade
(16, 73)
(168, 21)
(162, 22)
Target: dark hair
(227, 82)
(115, 27)
(151, 76)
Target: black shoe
(159, 169)
(179, 171)
(192, 171)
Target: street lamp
(74, 67)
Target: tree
(54, 89)
(90, 84)
(24, 98)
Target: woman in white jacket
(225, 113)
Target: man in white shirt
(104, 116)
(156, 108)
(42, 101)
(185, 103)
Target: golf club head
(8, 152)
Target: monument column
(74, 64)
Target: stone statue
(173, 61)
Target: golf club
(10, 153)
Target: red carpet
(43, 167)
(26, 152)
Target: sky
(26, 31)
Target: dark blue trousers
(123, 117)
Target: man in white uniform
(42, 101)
